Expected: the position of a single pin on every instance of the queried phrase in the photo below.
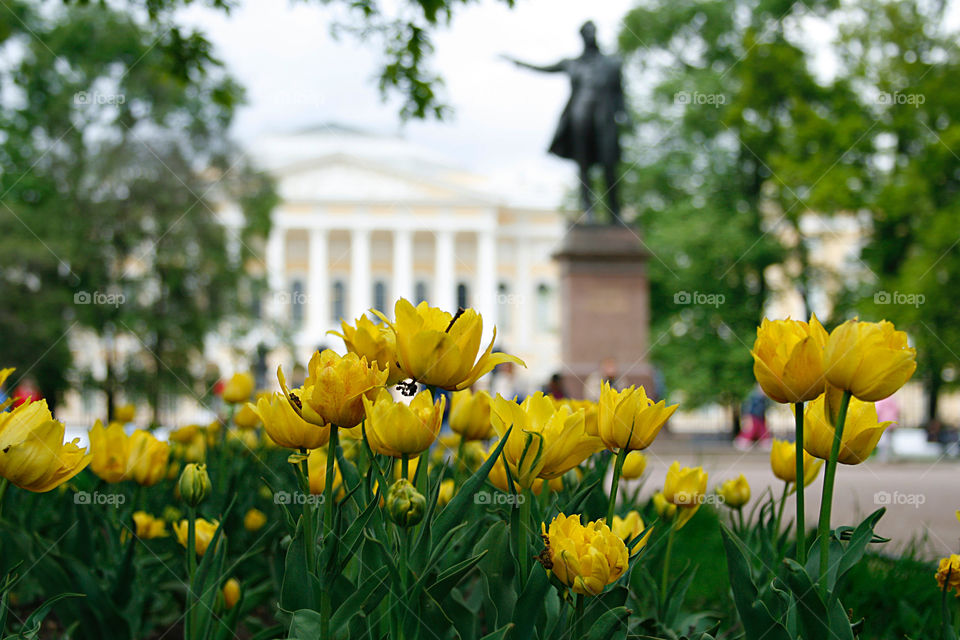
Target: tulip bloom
(948, 573)
(204, 533)
(125, 413)
(147, 527)
(147, 458)
(184, 435)
(685, 487)
(239, 388)
(110, 450)
(376, 343)
(254, 519)
(335, 387)
(439, 349)
(470, 415)
(788, 359)
(447, 489)
(861, 431)
(871, 360)
(546, 441)
(246, 417)
(33, 455)
(783, 462)
(735, 492)
(664, 509)
(586, 558)
(628, 419)
(590, 411)
(285, 427)
(400, 430)
(634, 465)
(231, 593)
(629, 527)
(317, 472)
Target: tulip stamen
(460, 311)
(407, 387)
(296, 400)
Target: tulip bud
(405, 505)
(231, 593)
(194, 484)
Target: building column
(402, 265)
(276, 273)
(444, 279)
(318, 286)
(525, 295)
(361, 285)
(486, 281)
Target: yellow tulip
(546, 441)
(628, 419)
(629, 527)
(147, 459)
(184, 435)
(124, 413)
(110, 449)
(231, 593)
(439, 349)
(239, 388)
(871, 360)
(412, 465)
(470, 415)
(685, 487)
(788, 359)
(246, 417)
(286, 427)
(498, 477)
(948, 573)
(147, 527)
(254, 519)
(586, 558)
(735, 492)
(861, 431)
(376, 343)
(397, 429)
(335, 387)
(590, 411)
(204, 533)
(447, 489)
(664, 509)
(33, 455)
(783, 461)
(634, 465)
(317, 472)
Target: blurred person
(753, 427)
(888, 410)
(27, 390)
(554, 387)
(606, 373)
(503, 381)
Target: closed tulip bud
(788, 359)
(171, 513)
(125, 413)
(335, 388)
(147, 527)
(405, 505)
(685, 487)
(871, 360)
(587, 557)
(948, 573)
(397, 429)
(317, 471)
(783, 462)
(376, 343)
(239, 388)
(447, 489)
(254, 519)
(470, 415)
(231, 593)
(285, 426)
(634, 465)
(664, 509)
(628, 419)
(110, 449)
(246, 417)
(861, 431)
(204, 533)
(184, 435)
(439, 349)
(194, 484)
(545, 440)
(735, 492)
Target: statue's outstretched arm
(552, 68)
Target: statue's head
(589, 34)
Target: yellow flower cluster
(140, 457)
(587, 557)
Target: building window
(297, 299)
(420, 292)
(338, 299)
(380, 296)
(463, 295)
(504, 306)
(544, 307)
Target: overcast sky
(297, 75)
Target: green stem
(800, 484)
(666, 565)
(944, 611)
(524, 498)
(328, 506)
(191, 569)
(617, 470)
(578, 617)
(826, 502)
(743, 527)
(405, 466)
(309, 535)
(4, 483)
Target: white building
(367, 219)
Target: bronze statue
(588, 132)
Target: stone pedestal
(604, 305)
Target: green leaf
(449, 578)
(31, 626)
(757, 620)
(305, 625)
(610, 624)
(373, 588)
(297, 590)
(530, 603)
(499, 634)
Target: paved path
(921, 497)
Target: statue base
(604, 306)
